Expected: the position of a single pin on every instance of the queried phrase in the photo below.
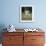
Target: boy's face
(26, 12)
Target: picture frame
(26, 13)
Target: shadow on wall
(2, 26)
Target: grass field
(27, 17)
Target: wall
(10, 13)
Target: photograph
(26, 13)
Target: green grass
(27, 17)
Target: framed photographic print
(26, 13)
